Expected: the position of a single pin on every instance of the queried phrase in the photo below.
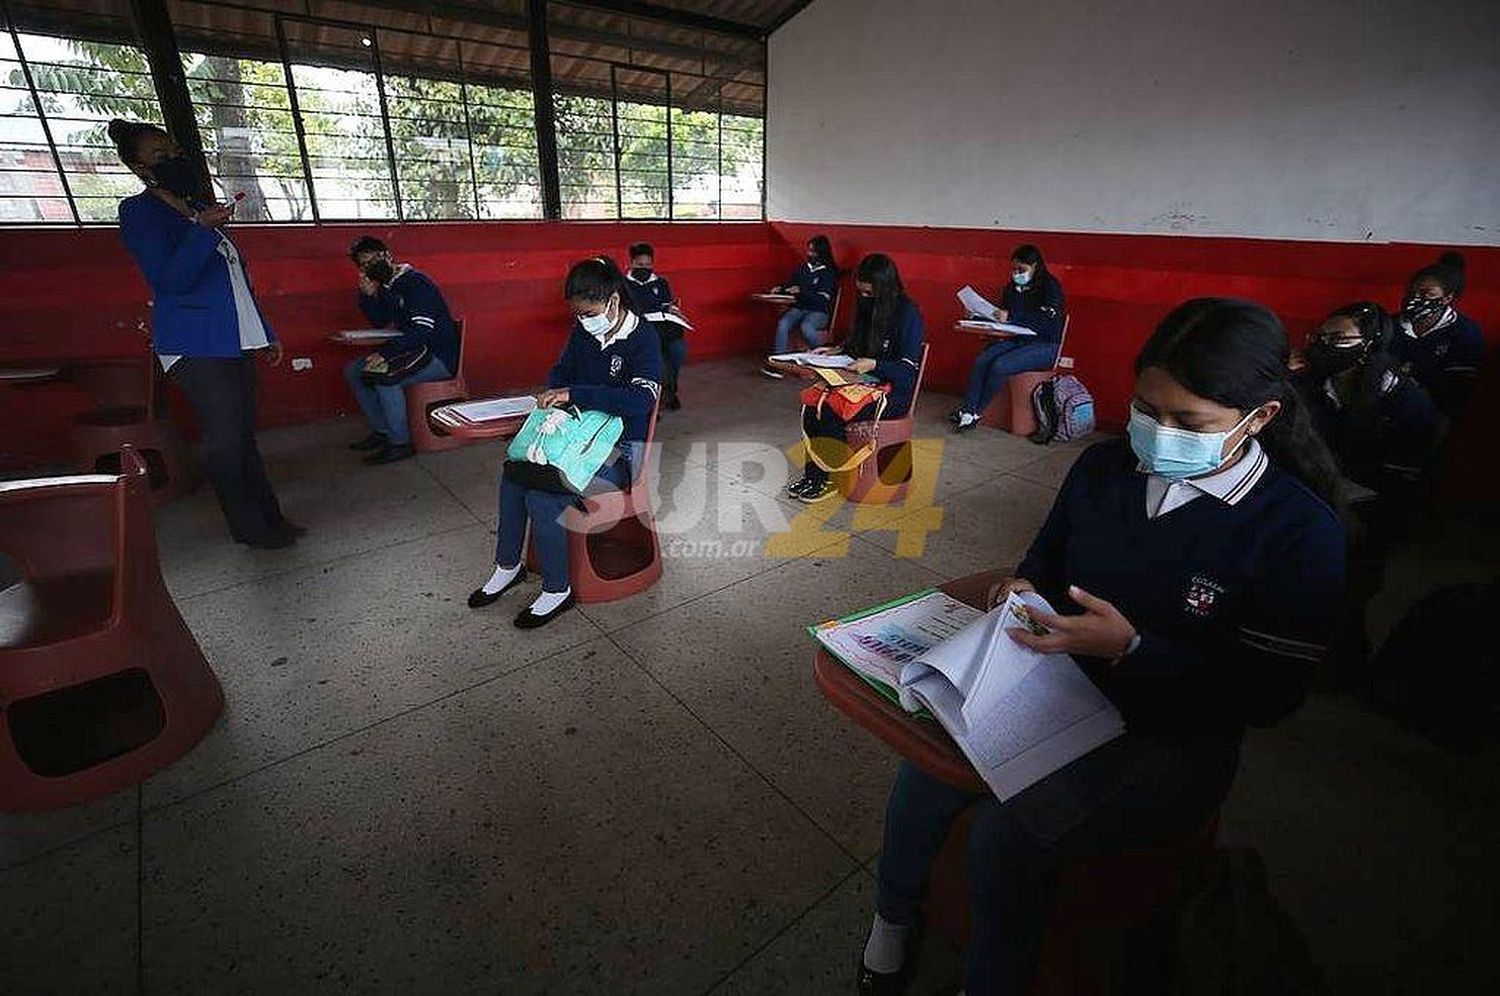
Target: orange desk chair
(101, 682)
(613, 550)
(421, 399)
(1101, 903)
(1011, 408)
(886, 476)
(127, 415)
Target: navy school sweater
(1390, 439)
(649, 295)
(1233, 603)
(621, 377)
(816, 284)
(1446, 361)
(898, 355)
(1038, 306)
(417, 308)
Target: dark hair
(596, 279)
(127, 136)
(364, 244)
(1377, 327)
(874, 317)
(1447, 271)
(1235, 353)
(642, 249)
(822, 248)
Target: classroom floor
(650, 796)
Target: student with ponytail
(1198, 571)
(1441, 348)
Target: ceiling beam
(671, 15)
(787, 15)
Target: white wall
(1347, 120)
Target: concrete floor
(405, 795)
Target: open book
(668, 316)
(833, 361)
(1016, 714)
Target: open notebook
(491, 409)
(1016, 714)
(833, 361)
(667, 316)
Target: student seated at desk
(650, 293)
(1437, 345)
(611, 363)
(396, 293)
(1197, 569)
(814, 285)
(1033, 299)
(887, 342)
(1381, 425)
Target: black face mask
(178, 176)
(641, 273)
(1422, 312)
(1326, 360)
(380, 271)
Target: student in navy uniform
(397, 294)
(887, 340)
(1437, 345)
(611, 363)
(1197, 569)
(207, 326)
(1033, 299)
(815, 284)
(650, 293)
(1381, 425)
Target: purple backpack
(1064, 410)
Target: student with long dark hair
(1440, 347)
(886, 340)
(611, 363)
(815, 284)
(206, 324)
(1032, 299)
(1197, 570)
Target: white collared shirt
(1229, 485)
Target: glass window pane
(695, 163)
(585, 156)
(744, 167)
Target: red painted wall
(68, 293)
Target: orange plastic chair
(886, 476)
(127, 416)
(1011, 408)
(421, 399)
(1101, 903)
(613, 550)
(101, 682)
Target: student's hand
(1100, 632)
(552, 397)
(1001, 590)
(1296, 362)
(374, 363)
(863, 365)
(825, 350)
(274, 354)
(214, 217)
(368, 287)
(1001, 315)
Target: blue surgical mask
(596, 324)
(1020, 279)
(1177, 453)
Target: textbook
(833, 361)
(1017, 715)
(668, 316)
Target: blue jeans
(999, 361)
(544, 510)
(384, 405)
(811, 323)
(1129, 794)
(674, 351)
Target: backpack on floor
(1064, 410)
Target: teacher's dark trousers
(222, 393)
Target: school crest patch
(1201, 596)
(616, 364)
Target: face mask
(380, 271)
(1422, 311)
(641, 273)
(597, 324)
(1177, 453)
(178, 176)
(1326, 359)
(1020, 279)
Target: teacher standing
(206, 323)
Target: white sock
(549, 600)
(885, 951)
(502, 577)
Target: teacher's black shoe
(390, 454)
(374, 441)
(275, 541)
(530, 620)
(479, 598)
(872, 983)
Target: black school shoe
(813, 492)
(390, 454)
(530, 620)
(479, 598)
(868, 982)
(374, 441)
